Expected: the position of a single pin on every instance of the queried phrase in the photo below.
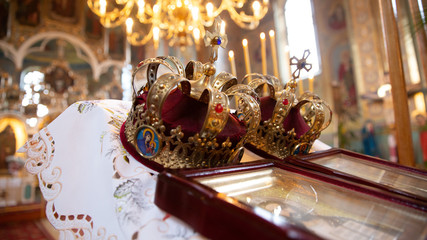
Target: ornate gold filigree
(146, 131)
(271, 137)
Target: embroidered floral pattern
(133, 185)
(116, 151)
(134, 193)
(84, 106)
(135, 210)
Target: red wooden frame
(307, 162)
(217, 216)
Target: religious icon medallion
(148, 141)
(302, 149)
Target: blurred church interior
(57, 52)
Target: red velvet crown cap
(294, 120)
(182, 110)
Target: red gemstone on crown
(219, 108)
(285, 102)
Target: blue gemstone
(302, 64)
(218, 40)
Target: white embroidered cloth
(94, 189)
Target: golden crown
(160, 127)
(294, 123)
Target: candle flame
(141, 4)
(156, 9)
(231, 54)
(245, 42)
(129, 25)
(209, 9)
(102, 7)
(196, 34)
(156, 33)
(195, 13)
(256, 8)
(222, 30)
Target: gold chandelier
(181, 21)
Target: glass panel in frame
(411, 182)
(331, 211)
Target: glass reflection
(330, 211)
(407, 181)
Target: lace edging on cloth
(40, 151)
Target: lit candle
(263, 54)
(222, 29)
(246, 54)
(156, 10)
(209, 9)
(310, 83)
(141, 5)
(102, 7)
(274, 53)
(232, 63)
(301, 87)
(196, 35)
(195, 13)
(129, 25)
(256, 6)
(156, 36)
